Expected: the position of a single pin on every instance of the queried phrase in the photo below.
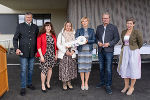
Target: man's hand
(100, 44)
(18, 52)
(106, 45)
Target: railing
(6, 44)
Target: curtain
(119, 11)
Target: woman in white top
(66, 54)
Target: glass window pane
(46, 20)
(21, 19)
(39, 22)
(34, 21)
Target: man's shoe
(31, 87)
(22, 91)
(99, 85)
(108, 90)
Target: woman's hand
(56, 56)
(72, 52)
(86, 42)
(42, 59)
(67, 53)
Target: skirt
(131, 64)
(49, 63)
(67, 68)
(84, 61)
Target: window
(38, 19)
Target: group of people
(49, 48)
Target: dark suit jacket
(91, 39)
(111, 36)
(27, 37)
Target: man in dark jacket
(26, 35)
(107, 36)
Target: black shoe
(49, 88)
(99, 85)
(70, 88)
(22, 91)
(44, 91)
(31, 87)
(108, 90)
(64, 89)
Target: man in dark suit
(26, 35)
(107, 36)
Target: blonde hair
(83, 18)
(66, 24)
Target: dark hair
(28, 13)
(42, 30)
(131, 19)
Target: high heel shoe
(69, 85)
(49, 88)
(86, 87)
(124, 90)
(64, 86)
(44, 91)
(82, 87)
(130, 91)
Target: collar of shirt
(28, 24)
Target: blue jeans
(105, 64)
(24, 62)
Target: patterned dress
(68, 65)
(49, 56)
(67, 68)
(131, 62)
(85, 57)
